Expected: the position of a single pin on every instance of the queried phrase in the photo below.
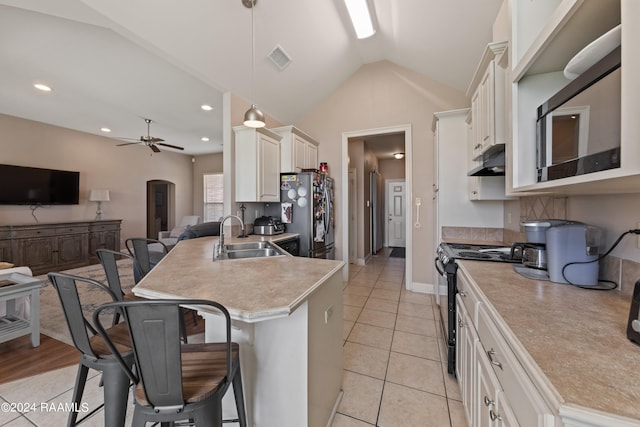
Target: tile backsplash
(622, 271)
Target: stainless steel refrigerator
(306, 208)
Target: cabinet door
(72, 250)
(487, 389)
(476, 120)
(312, 156)
(504, 415)
(466, 339)
(5, 250)
(299, 153)
(487, 107)
(37, 253)
(269, 169)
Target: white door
(396, 215)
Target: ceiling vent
(279, 57)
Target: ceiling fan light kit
(253, 118)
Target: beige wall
(384, 94)
(391, 168)
(124, 171)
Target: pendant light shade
(253, 118)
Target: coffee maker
(572, 253)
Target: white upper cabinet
(298, 150)
(488, 101)
(257, 162)
(546, 35)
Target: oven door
(447, 309)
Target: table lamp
(99, 196)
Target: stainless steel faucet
(220, 250)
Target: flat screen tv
(21, 185)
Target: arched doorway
(160, 207)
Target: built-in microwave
(578, 128)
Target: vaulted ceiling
(114, 63)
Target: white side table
(12, 287)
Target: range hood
(492, 163)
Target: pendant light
(253, 118)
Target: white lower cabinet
(493, 406)
(466, 339)
(496, 391)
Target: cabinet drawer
(104, 227)
(34, 232)
(72, 230)
(469, 296)
(525, 400)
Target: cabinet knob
(460, 323)
(488, 402)
(462, 294)
(490, 354)
(494, 416)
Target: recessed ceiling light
(206, 107)
(42, 87)
(105, 130)
(399, 156)
(204, 139)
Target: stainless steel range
(446, 256)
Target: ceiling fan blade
(154, 148)
(127, 143)
(153, 139)
(171, 146)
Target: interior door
(396, 214)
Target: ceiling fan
(150, 141)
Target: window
(213, 196)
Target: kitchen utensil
(533, 255)
(633, 326)
(268, 225)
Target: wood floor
(18, 359)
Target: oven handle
(437, 263)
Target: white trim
(406, 128)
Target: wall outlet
(509, 220)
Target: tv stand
(57, 246)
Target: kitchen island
(570, 343)
(286, 315)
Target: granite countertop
(577, 337)
(252, 289)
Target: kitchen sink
(249, 250)
(248, 245)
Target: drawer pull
(490, 354)
(494, 416)
(488, 402)
(462, 294)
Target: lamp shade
(99, 196)
(254, 118)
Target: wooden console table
(12, 287)
(59, 246)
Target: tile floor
(393, 370)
